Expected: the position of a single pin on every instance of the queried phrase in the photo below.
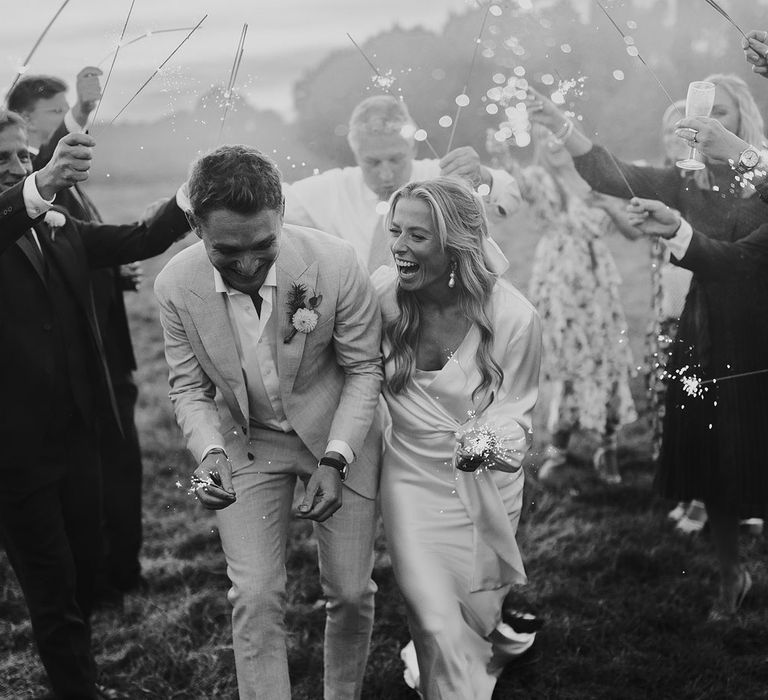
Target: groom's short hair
(238, 178)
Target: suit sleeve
(14, 219)
(107, 245)
(191, 392)
(725, 260)
(604, 172)
(357, 343)
(511, 413)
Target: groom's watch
(339, 465)
(748, 160)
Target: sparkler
(724, 14)
(158, 69)
(633, 51)
(462, 100)
(233, 77)
(114, 58)
(25, 64)
(385, 82)
(145, 35)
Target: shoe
(752, 526)
(606, 465)
(694, 520)
(554, 458)
(521, 622)
(677, 512)
(727, 605)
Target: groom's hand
(214, 481)
(322, 497)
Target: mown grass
(624, 597)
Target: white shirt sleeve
(342, 448)
(678, 244)
(72, 126)
(33, 200)
(505, 194)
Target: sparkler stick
(233, 77)
(145, 35)
(722, 12)
(25, 65)
(114, 58)
(734, 376)
(383, 83)
(639, 56)
(469, 76)
(158, 69)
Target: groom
(281, 322)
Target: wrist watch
(338, 464)
(748, 159)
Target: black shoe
(108, 599)
(138, 585)
(521, 622)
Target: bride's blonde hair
(458, 217)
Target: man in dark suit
(41, 100)
(53, 370)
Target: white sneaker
(694, 519)
(754, 526)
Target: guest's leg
(253, 534)
(724, 530)
(345, 548)
(52, 572)
(122, 477)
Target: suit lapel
(291, 269)
(61, 253)
(208, 309)
(29, 248)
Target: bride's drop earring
(452, 277)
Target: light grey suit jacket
(330, 378)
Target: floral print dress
(575, 288)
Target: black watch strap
(338, 464)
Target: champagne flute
(698, 103)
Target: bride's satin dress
(451, 534)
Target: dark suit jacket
(26, 323)
(106, 282)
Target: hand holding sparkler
(88, 93)
(464, 162)
(212, 481)
(755, 47)
(653, 218)
(544, 111)
(711, 138)
(68, 165)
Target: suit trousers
(254, 532)
(50, 516)
(122, 480)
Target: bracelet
(562, 134)
(338, 464)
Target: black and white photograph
(384, 350)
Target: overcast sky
(284, 37)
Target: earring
(452, 276)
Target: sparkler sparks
(158, 69)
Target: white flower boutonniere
(302, 311)
(54, 219)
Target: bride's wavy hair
(458, 217)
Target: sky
(284, 38)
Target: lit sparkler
(233, 77)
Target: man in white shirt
(280, 321)
(351, 202)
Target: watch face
(749, 158)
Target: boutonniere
(302, 311)
(54, 219)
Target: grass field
(624, 597)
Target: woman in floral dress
(575, 288)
